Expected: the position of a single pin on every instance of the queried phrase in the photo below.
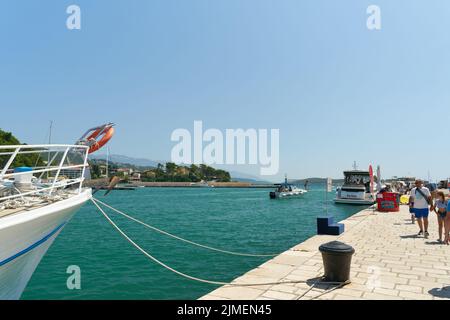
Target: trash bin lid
(336, 246)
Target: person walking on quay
(440, 207)
(419, 201)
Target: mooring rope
(338, 286)
(307, 291)
(182, 239)
(221, 283)
(332, 289)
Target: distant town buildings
(170, 172)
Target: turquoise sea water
(243, 220)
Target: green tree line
(22, 160)
(193, 173)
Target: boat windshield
(284, 188)
(358, 180)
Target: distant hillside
(244, 177)
(120, 159)
(116, 165)
(252, 181)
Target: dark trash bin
(337, 259)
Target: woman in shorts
(440, 207)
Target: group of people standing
(421, 202)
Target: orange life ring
(105, 134)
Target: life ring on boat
(99, 138)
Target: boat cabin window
(356, 179)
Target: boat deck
(391, 262)
(9, 212)
(37, 205)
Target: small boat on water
(286, 190)
(357, 188)
(201, 184)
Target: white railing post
(83, 171)
(61, 164)
(76, 182)
(49, 163)
(10, 161)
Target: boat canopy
(357, 172)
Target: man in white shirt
(419, 201)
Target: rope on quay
(332, 289)
(182, 239)
(339, 285)
(192, 277)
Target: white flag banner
(379, 179)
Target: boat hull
(25, 238)
(354, 201)
(286, 195)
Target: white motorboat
(201, 184)
(36, 203)
(357, 188)
(286, 190)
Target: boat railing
(27, 170)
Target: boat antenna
(49, 142)
(107, 162)
(50, 132)
(328, 188)
(355, 167)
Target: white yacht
(36, 203)
(286, 190)
(357, 188)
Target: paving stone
(284, 288)
(389, 292)
(378, 296)
(408, 288)
(343, 297)
(350, 292)
(415, 296)
(276, 295)
(237, 293)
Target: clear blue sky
(337, 91)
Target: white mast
(49, 142)
(107, 162)
(50, 132)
